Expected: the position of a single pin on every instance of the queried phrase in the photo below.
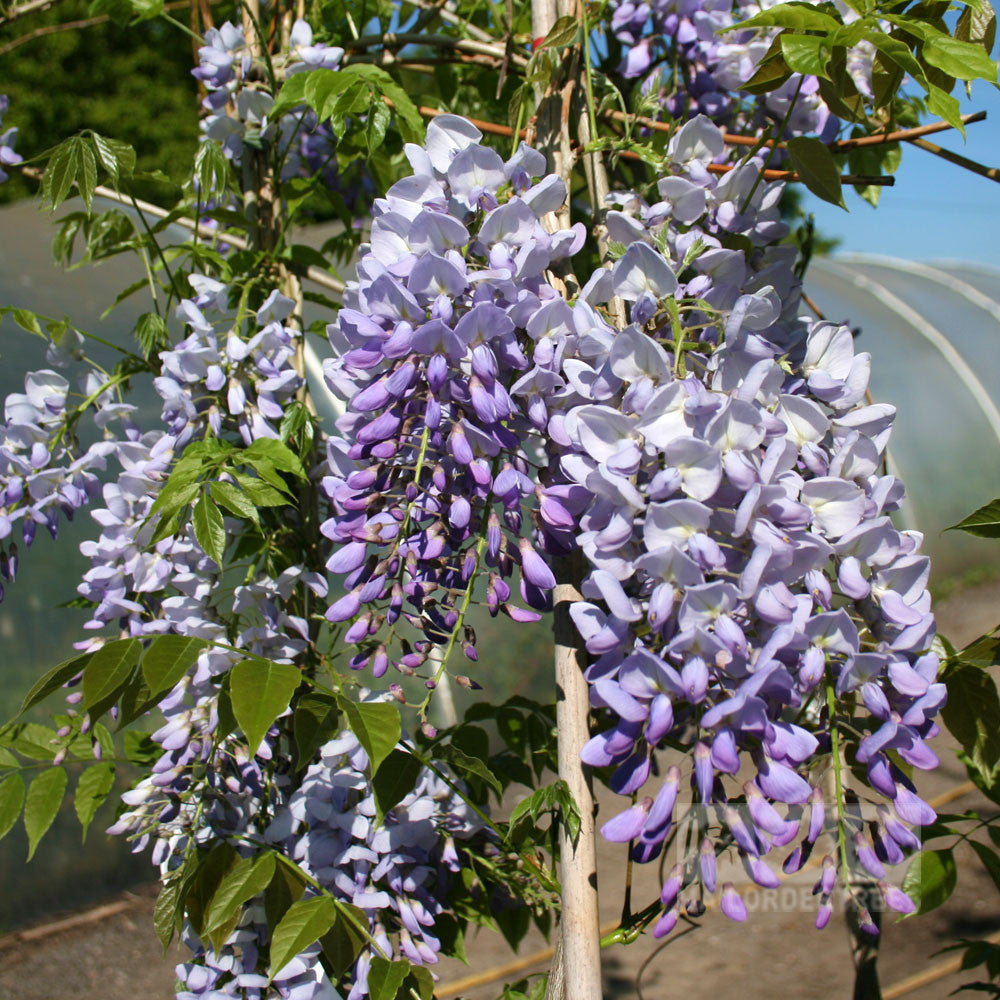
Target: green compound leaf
(316, 719)
(984, 522)
(395, 779)
(168, 659)
(972, 715)
(385, 978)
(53, 681)
(108, 670)
(249, 877)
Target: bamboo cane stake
(576, 971)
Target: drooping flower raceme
(688, 54)
(748, 594)
(397, 871)
(450, 341)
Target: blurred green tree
(94, 76)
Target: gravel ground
(776, 953)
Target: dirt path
(776, 953)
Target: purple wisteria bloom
(449, 349)
(742, 563)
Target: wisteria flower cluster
(46, 472)
(448, 345)
(667, 419)
(397, 871)
(747, 586)
(249, 379)
(237, 111)
(712, 64)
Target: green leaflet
(44, 797)
(260, 691)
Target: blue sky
(935, 209)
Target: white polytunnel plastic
(933, 330)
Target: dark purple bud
(903, 836)
(346, 607)
(875, 700)
(896, 899)
(661, 719)
(460, 512)
(880, 776)
(372, 397)
(627, 825)
(817, 815)
(395, 604)
(400, 380)
(703, 771)
(672, 886)
(706, 863)
(382, 427)
(762, 812)
(866, 855)
(797, 858)
(480, 472)
(359, 630)
(534, 567)
(553, 512)
(828, 878)
(459, 447)
(886, 849)
(666, 923)
(437, 372)
(725, 756)
(347, 558)
(432, 413)
(520, 614)
(738, 829)
(660, 814)
(632, 774)
(362, 479)
(866, 923)
(484, 362)
(731, 904)
(911, 808)
(482, 401)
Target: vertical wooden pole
(579, 955)
(576, 970)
